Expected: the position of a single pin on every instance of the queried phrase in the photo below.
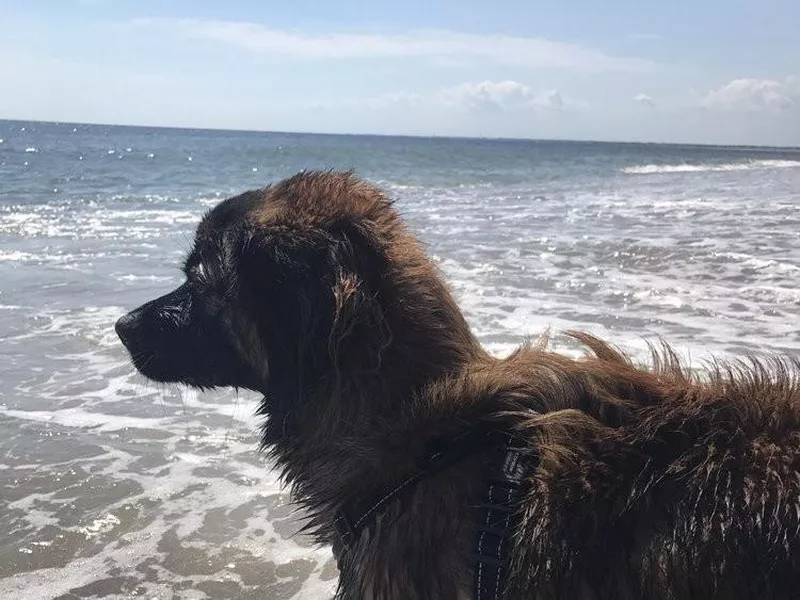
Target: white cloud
(644, 99)
(434, 45)
(551, 99)
(504, 96)
(754, 95)
(491, 96)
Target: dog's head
(282, 287)
(310, 288)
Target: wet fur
(656, 482)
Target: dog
(631, 481)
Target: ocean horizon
(407, 135)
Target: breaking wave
(689, 168)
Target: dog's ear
(359, 331)
(284, 277)
(348, 301)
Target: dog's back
(657, 483)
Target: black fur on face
(265, 307)
(185, 336)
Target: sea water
(111, 486)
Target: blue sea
(114, 487)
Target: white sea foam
(72, 417)
(53, 221)
(210, 474)
(15, 255)
(700, 168)
(97, 527)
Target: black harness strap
(498, 517)
(499, 520)
(349, 528)
(351, 519)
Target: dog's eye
(207, 290)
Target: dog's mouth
(150, 364)
(148, 361)
(173, 348)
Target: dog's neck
(355, 429)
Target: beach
(114, 486)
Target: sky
(705, 71)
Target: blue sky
(702, 72)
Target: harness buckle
(513, 467)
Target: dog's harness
(498, 512)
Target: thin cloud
(486, 96)
(435, 45)
(754, 95)
(644, 99)
(549, 100)
(500, 95)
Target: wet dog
(655, 482)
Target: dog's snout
(126, 325)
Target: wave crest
(688, 168)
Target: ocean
(111, 486)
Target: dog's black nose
(125, 326)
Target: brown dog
(638, 483)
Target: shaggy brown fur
(652, 483)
